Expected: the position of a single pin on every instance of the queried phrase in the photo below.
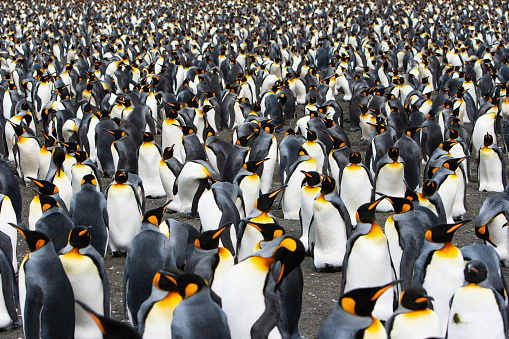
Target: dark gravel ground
(321, 290)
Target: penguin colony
(138, 97)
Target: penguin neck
(146, 226)
(375, 231)
(375, 328)
(263, 217)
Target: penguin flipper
(389, 324)
(349, 245)
(34, 302)
(8, 285)
(124, 286)
(270, 316)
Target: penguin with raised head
(216, 150)
(477, 311)
(368, 261)
(329, 229)
(53, 222)
(439, 268)
(148, 252)
(209, 260)
(491, 172)
(124, 212)
(44, 290)
(490, 224)
(169, 170)
(356, 185)
(89, 208)
(352, 315)
(196, 299)
(390, 178)
(110, 329)
(414, 319)
(409, 152)
(84, 267)
(104, 140)
(156, 313)
(250, 289)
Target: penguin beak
(384, 288)
(19, 229)
(220, 231)
(424, 299)
(456, 226)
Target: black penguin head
(311, 135)
(70, 146)
(400, 205)
(44, 186)
(429, 187)
(289, 131)
(290, 252)
(166, 279)
(328, 185)
(80, 156)
(411, 131)
(483, 233)
(337, 143)
(453, 163)
(475, 272)
(415, 298)
(79, 237)
(443, 233)
(186, 130)
(453, 134)
(311, 178)
(268, 127)
(47, 202)
(89, 179)
(488, 140)
(188, 284)
(361, 301)
(148, 137)
(355, 158)
(366, 213)
(269, 231)
(117, 133)
(265, 201)
(393, 153)
(252, 165)
(447, 145)
(209, 240)
(242, 141)
(49, 141)
(35, 239)
(155, 216)
(121, 176)
(18, 129)
(168, 152)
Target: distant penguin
(84, 267)
(491, 172)
(89, 208)
(169, 170)
(310, 188)
(413, 319)
(81, 168)
(249, 182)
(156, 313)
(430, 199)
(26, 151)
(265, 146)
(254, 281)
(196, 299)
(439, 268)
(149, 153)
(58, 176)
(491, 224)
(390, 178)
(47, 188)
(44, 290)
(148, 252)
(368, 261)
(53, 222)
(476, 310)
(352, 315)
(124, 212)
(484, 124)
(45, 156)
(356, 185)
(330, 228)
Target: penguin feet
(118, 253)
(329, 269)
(355, 128)
(11, 327)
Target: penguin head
(44, 186)
(121, 176)
(365, 214)
(400, 205)
(49, 141)
(80, 156)
(393, 153)
(483, 233)
(155, 216)
(429, 187)
(447, 145)
(453, 134)
(70, 146)
(79, 237)
(185, 130)
(311, 178)
(288, 132)
(208, 131)
(311, 135)
(168, 152)
(355, 158)
(488, 140)
(188, 284)
(328, 185)
(453, 163)
(415, 298)
(411, 131)
(148, 137)
(475, 272)
(267, 126)
(265, 201)
(337, 143)
(269, 231)
(361, 301)
(117, 133)
(166, 279)
(252, 165)
(443, 233)
(35, 239)
(18, 129)
(47, 202)
(290, 253)
(89, 179)
(209, 240)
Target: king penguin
(84, 267)
(148, 154)
(310, 188)
(45, 293)
(8, 286)
(390, 178)
(491, 172)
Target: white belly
(355, 189)
(250, 187)
(148, 157)
(416, 325)
(500, 236)
(8, 215)
(28, 149)
(268, 167)
(308, 196)
(210, 214)
(62, 181)
(490, 172)
(390, 181)
(124, 216)
(292, 193)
